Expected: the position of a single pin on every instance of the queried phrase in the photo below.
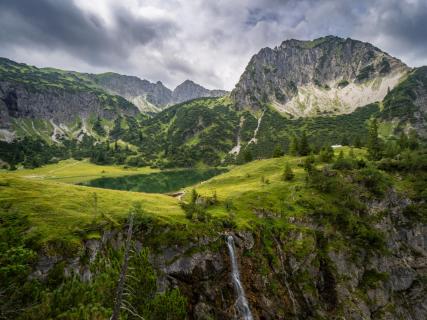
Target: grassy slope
(59, 210)
(63, 211)
(259, 184)
(74, 171)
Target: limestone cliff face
(62, 97)
(189, 90)
(61, 106)
(152, 97)
(147, 96)
(326, 75)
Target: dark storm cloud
(61, 25)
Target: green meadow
(75, 171)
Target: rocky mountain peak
(152, 97)
(324, 75)
(189, 90)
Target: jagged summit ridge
(325, 75)
(152, 97)
(189, 90)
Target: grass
(59, 210)
(259, 184)
(75, 171)
(255, 190)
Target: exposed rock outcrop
(189, 90)
(326, 75)
(17, 101)
(152, 97)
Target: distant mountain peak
(189, 90)
(325, 75)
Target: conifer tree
(278, 151)
(288, 174)
(248, 156)
(403, 141)
(374, 143)
(357, 142)
(293, 146)
(304, 148)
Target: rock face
(61, 97)
(61, 106)
(152, 97)
(189, 90)
(326, 75)
(147, 96)
(45, 93)
(341, 284)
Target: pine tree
(344, 141)
(374, 144)
(357, 142)
(194, 196)
(326, 154)
(248, 156)
(403, 141)
(304, 148)
(293, 146)
(413, 140)
(288, 174)
(98, 128)
(278, 151)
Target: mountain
(406, 105)
(147, 96)
(330, 88)
(152, 97)
(52, 102)
(188, 90)
(329, 75)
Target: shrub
(288, 174)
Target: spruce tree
(357, 142)
(374, 144)
(326, 154)
(403, 141)
(413, 140)
(293, 146)
(278, 151)
(248, 156)
(288, 174)
(304, 148)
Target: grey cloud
(207, 41)
(62, 25)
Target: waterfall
(241, 302)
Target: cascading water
(241, 302)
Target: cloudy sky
(208, 41)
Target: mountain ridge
(152, 97)
(324, 75)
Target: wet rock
(204, 262)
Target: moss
(343, 83)
(372, 279)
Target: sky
(207, 41)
